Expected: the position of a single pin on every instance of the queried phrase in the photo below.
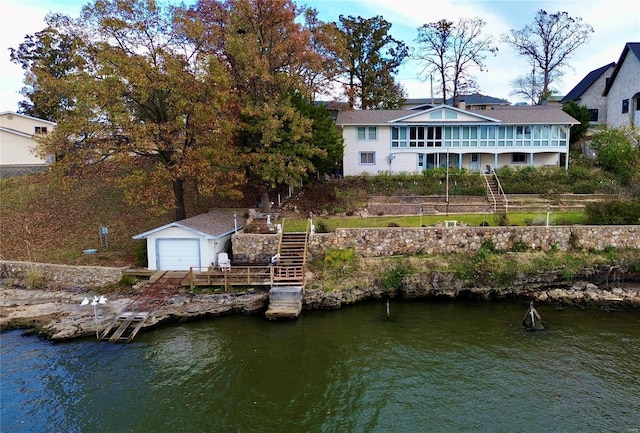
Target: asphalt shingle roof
(536, 114)
(214, 224)
(586, 82)
(633, 47)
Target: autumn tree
(453, 51)
(47, 58)
(369, 58)
(146, 91)
(270, 56)
(548, 43)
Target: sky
(615, 23)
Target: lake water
(428, 367)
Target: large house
(612, 92)
(17, 144)
(411, 141)
(623, 89)
(588, 92)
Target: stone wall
(378, 242)
(68, 275)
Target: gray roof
(510, 115)
(586, 82)
(633, 47)
(211, 225)
(479, 99)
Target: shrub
(501, 219)
(33, 279)
(127, 280)
(392, 279)
(613, 212)
(340, 259)
(392, 224)
(519, 247)
(140, 257)
(321, 227)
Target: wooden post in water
(387, 308)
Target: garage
(192, 242)
(178, 254)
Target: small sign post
(104, 236)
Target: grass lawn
(515, 219)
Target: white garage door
(178, 254)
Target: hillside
(44, 222)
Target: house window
(367, 133)
(398, 136)
(434, 136)
(416, 136)
(518, 158)
(638, 104)
(594, 114)
(41, 129)
(625, 106)
(367, 158)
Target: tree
(530, 86)
(549, 42)
(582, 115)
(325, 135)
(47, 58)
(618, 151)
(271, 57)
(146, 91)
(451, 51)
(369, 59)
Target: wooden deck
(256, 275)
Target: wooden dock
(126, 325)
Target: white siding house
(193, 242)
(623, 90)
(17, 143)
(411, 141)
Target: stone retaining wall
(63, 274)
(378, 242)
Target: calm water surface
(429, 367)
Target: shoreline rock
(56, 314)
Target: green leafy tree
(548, 44)
(324, 136)
(452, 51)
(146, 91)
(582, 115)
(370, 58)
(618, 151)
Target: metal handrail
(501, 191)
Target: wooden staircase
(495, 194)
(289, 276)
(127, 324)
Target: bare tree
(451, 51)
(531, 86)
(549, 43)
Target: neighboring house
(477, 101)
(623, 89)
(588, 93)
(421, 103)
(17, 143)
(411, 141)
(474, 101)
(193, 242)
